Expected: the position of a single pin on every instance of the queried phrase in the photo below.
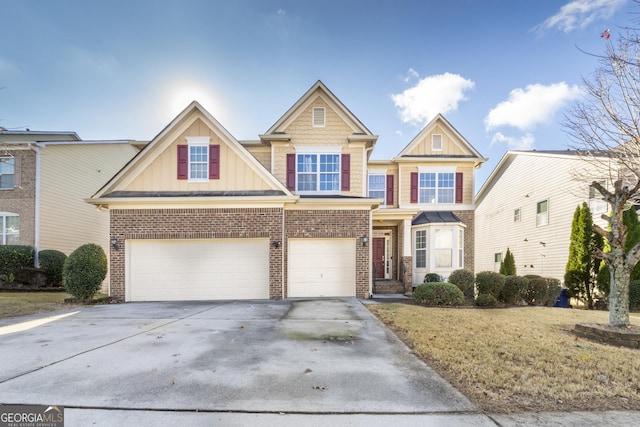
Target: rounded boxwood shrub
(84, 270)
(536, 291)
(486, 300)
(438, 293)
(464, 280)
(490, 282)
(514, 289)
(52, 263)
(432, 277)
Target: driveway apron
(292, 356)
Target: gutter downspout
(36, 210)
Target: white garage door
(172, 270)
(322, 268)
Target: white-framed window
(461, 248)
(497, 261)
(9, 228)
(421, 248)
(436, 142)
(542, 213)
(198, 158)
(378, 186)
(516, 215)
(596, 203)
(318, 172)
(319, 117)
(443, 247)
(7, 172)
(436, 187)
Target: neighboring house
(45, 178)
(301, 212)
(527, 205)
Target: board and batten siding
(525, 181)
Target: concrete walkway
(293, 362)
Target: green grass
(21, 303)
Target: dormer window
(319, 117)
(436, 142)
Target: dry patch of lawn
(21, 303)
(520, 359)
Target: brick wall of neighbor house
(21, 200)
(196, 224)
(333, 224)
(468, 218)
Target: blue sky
(501, 71)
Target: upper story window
(377, 186)
(318, 172)
(198, 161)
(7, 170)
(9, 228)
(516, 215)
(542, 213)
(319, 116)
(436, 187)
(596, 202)
(436, 142)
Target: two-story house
(45, 178)
(527, 205)
(301, 212)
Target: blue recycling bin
(563, 299)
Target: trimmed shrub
(438, 293)
(463, 279)
(52, 263)
(84, 270)
(489, 282)
(536, 291)
(514, 289)
(432, 277)
(486, 300)
(14, 258)
(553, 291)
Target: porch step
(388, 287)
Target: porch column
(406, 257)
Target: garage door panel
(321, 267)
(164, 270)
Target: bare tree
(605, 127)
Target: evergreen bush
(14, 258)
(438, 293)
(52, 263)
(463, 279)
(486, 300)
(84, 270)
(432, 277)
(490, 282)
(514, 289)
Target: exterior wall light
(114, 243)
(275, 244)
(364, 239)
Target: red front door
(378, 257)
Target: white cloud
(579, 14)
(524, 142)
(435, 94)
(529, 107)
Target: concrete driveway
(324, 356)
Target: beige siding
(262, 154)
(451, 146)
(525, 182)
(235, 173)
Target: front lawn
(21, 303)
(520, 359)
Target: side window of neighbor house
(7, 173)
(542, 213)
(421, 249)
(377, 186)
(9, 228)
(596, 202)
(516, 215)
(497, 260)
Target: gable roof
(296, 109)
(466, 146)
(114, 187)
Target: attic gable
(440, 139)
(155, 170)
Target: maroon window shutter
(414, 187)
(17, 172)
(346, 172)
(291, 172)
(183, 161)
(389, 190)
(214, 162)
(459, 187)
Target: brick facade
(468, 218)
(21, 199)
